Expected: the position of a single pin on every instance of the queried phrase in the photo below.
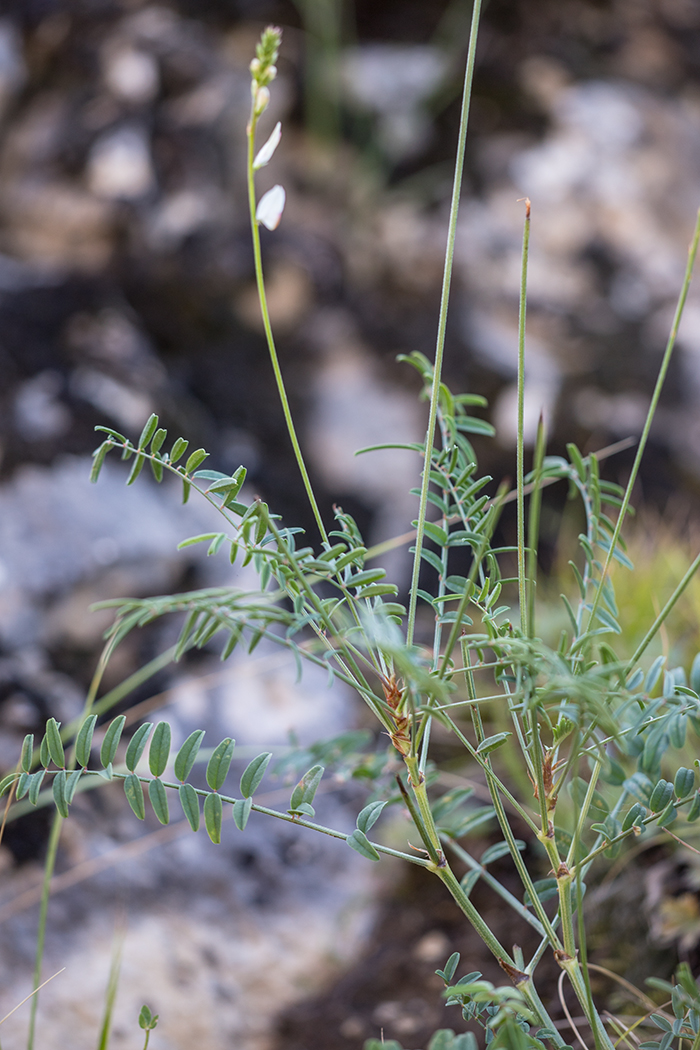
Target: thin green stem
(495, 885)
(649, 636)
(267, 326)
(692, 252)
(533, 528)
(520, 457)
(49, 866)
(442, 321)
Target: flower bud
(262, 100)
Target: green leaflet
(59, 792)
(367, 817)
(219, 763)
(72, 783)
(22, 784)
(190, 804)
(361, 844)
(148, 431)
(83, 741)
(134, 795)
(159, 800)
(305, 790)
(178, 450)
(186, 756)
(241, 812)
(213, 811)
(53, 742)
(254, 772)
(108, 751)
(159, 751)
(37, 780)
(137, 746)
(27, 753)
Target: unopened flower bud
(262, 100)
(255, 67)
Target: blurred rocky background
(126, 286)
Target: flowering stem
(259, 277)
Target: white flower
(265, 154)
(270, 207)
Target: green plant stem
(520, 452)
(523, 981)
(649, 636)
(442, 320)
(533, 527)
(49, 866)
(521, 867)
(267, 326)
(52, 848)
(496, 886)
(692, 252)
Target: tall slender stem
(520, 458)
(442, 321)
(692, 252)
(267, 326)
(49, 866)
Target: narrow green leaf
(111, 740)
(134, 795)
(368, 576)
(22, 784)
(59, 792)
(137, 745)
(376, 589)
(215, 544)
(27, 753)
(178, 450)
(253, 774)
(491, 743)
(136, 468)
(241, 812)
(159, 751)
(37, 780)
(367, 817)
(157, 469)
(83, 742)
(196, 457)
(213, 811)
(148, 431)
(190, 804)
(159, 798)
(357, 554)
(112, 433)
(361, 844)
(306, 788)
(98, 457)
(653, 674)
(53, 741)
(203, 538)
(72, 783)
(219, 763)
(186, 756)
(158, 439)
